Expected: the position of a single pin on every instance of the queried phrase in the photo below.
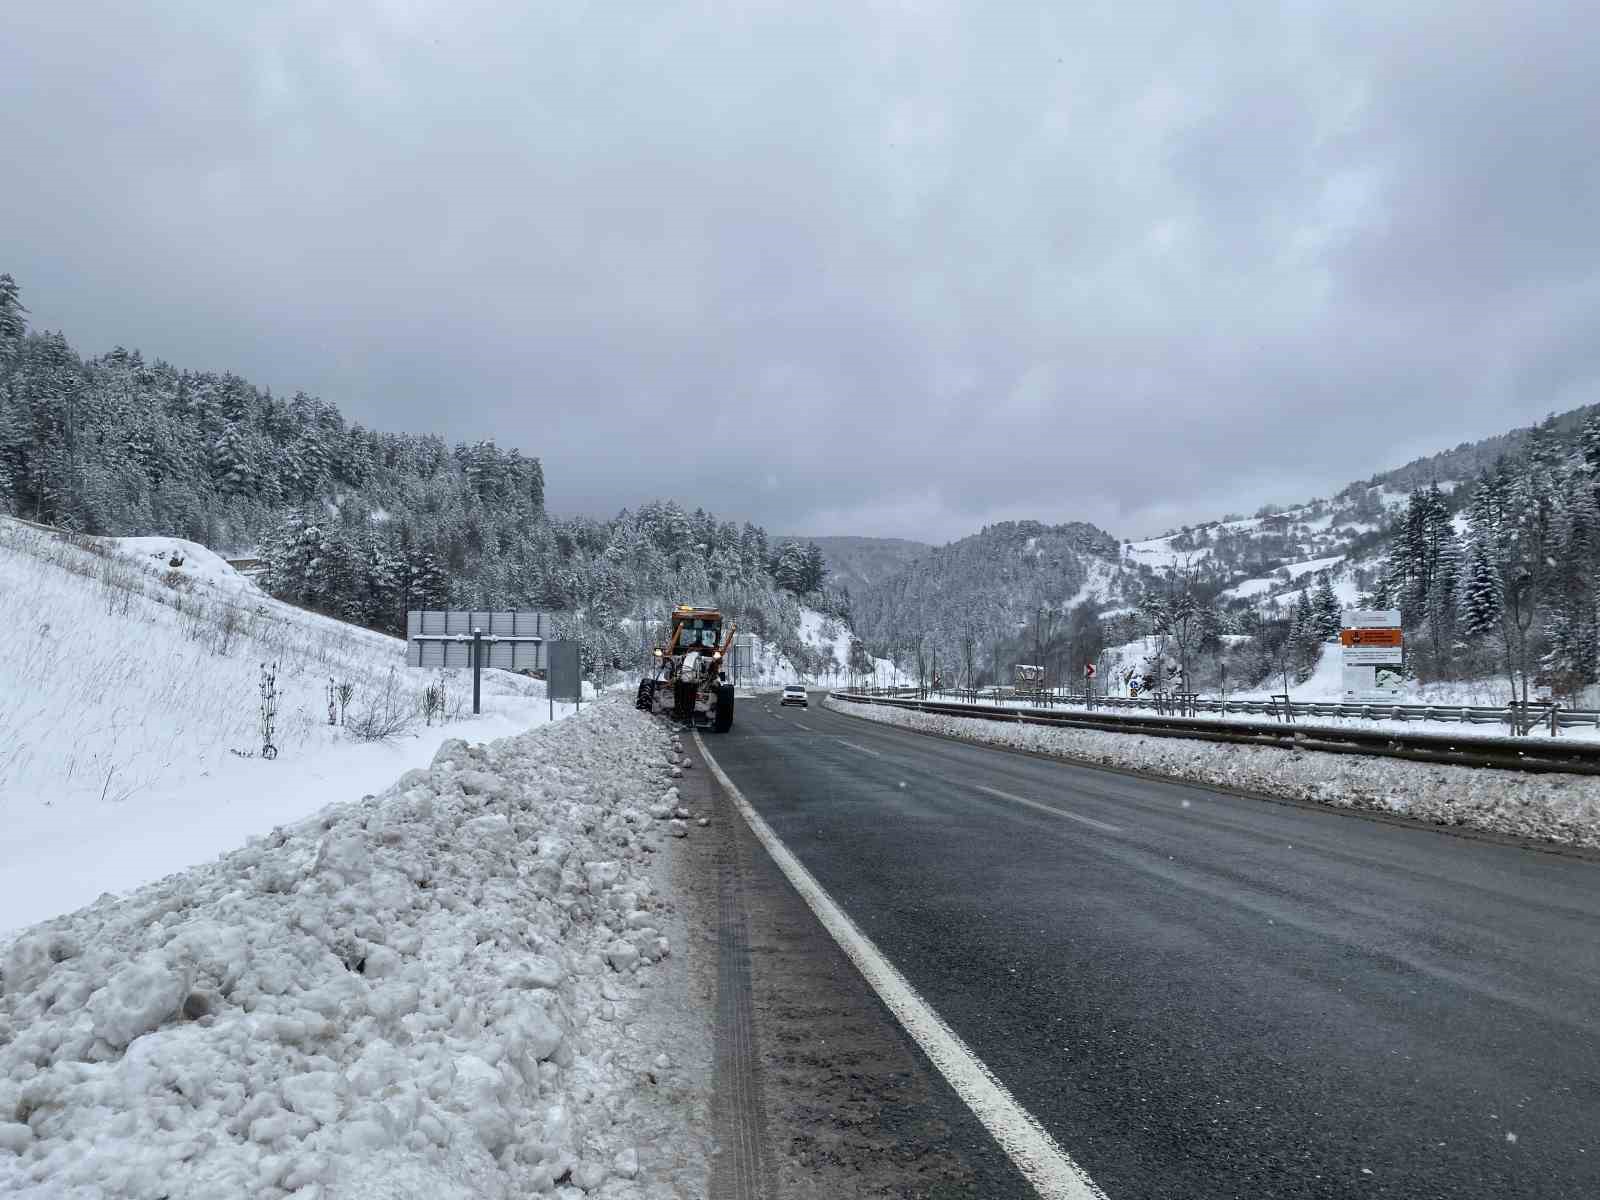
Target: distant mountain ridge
(1254, 568)
(989, 582)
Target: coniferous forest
(358, 523)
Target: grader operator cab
(687, 682)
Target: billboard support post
(477, 667)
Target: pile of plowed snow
(442, 991)
(1553, 807)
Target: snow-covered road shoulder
(1562, 809)
(450, 989)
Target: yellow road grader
(687, 682)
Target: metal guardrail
(1507, 753)
(1540, 716)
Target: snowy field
(130, 740)
(1268, 587)
(459, 988)
(1553, 808)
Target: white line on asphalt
(863, 749)
(803, 725)
(1036, 1154)
(1054, 812)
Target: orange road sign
(1371, 637)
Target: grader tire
(724, 721)
(683, 701)
(646, 699)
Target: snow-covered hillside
(130, 698)
(827, 641)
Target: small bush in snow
(118, 582)
(340, 692)
(433, 702)
(230, 624)
(269, 709)
(385, 713)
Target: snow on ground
(1296, 570)
(458, 988)
(772, 669)
(1344, 590)
(1097, 586)
(1326, 681)
(1252, 587)
(130, 703)
(1554, 808)
(1344, 586)
(1158, 553)
(190, 558)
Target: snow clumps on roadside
(441, 991)
(1552, 808)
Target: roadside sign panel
(1372, 637)
(1370, 618)
(512, 641)
(1368, 656)
(1373, 683)
(1374, 654)
(562, 681)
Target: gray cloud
(905, 269)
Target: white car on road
(793, 693)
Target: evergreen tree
(230, 462)
(13, 320)
(1480, 600)
(792, 568)
(1328, 616)
(816, 568)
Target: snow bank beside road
(1553, 808)
(444, 991)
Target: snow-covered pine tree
(1305, 637)
(1568, 622)
(1328, 613)
(791, 569)
(230, 462)
(13, 318)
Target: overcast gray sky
(875, 268)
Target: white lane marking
(1035, 1153)
(802, 725)
(863, 749)
(1054, 812)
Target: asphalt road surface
(1203, 995)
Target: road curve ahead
(1202, 995)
